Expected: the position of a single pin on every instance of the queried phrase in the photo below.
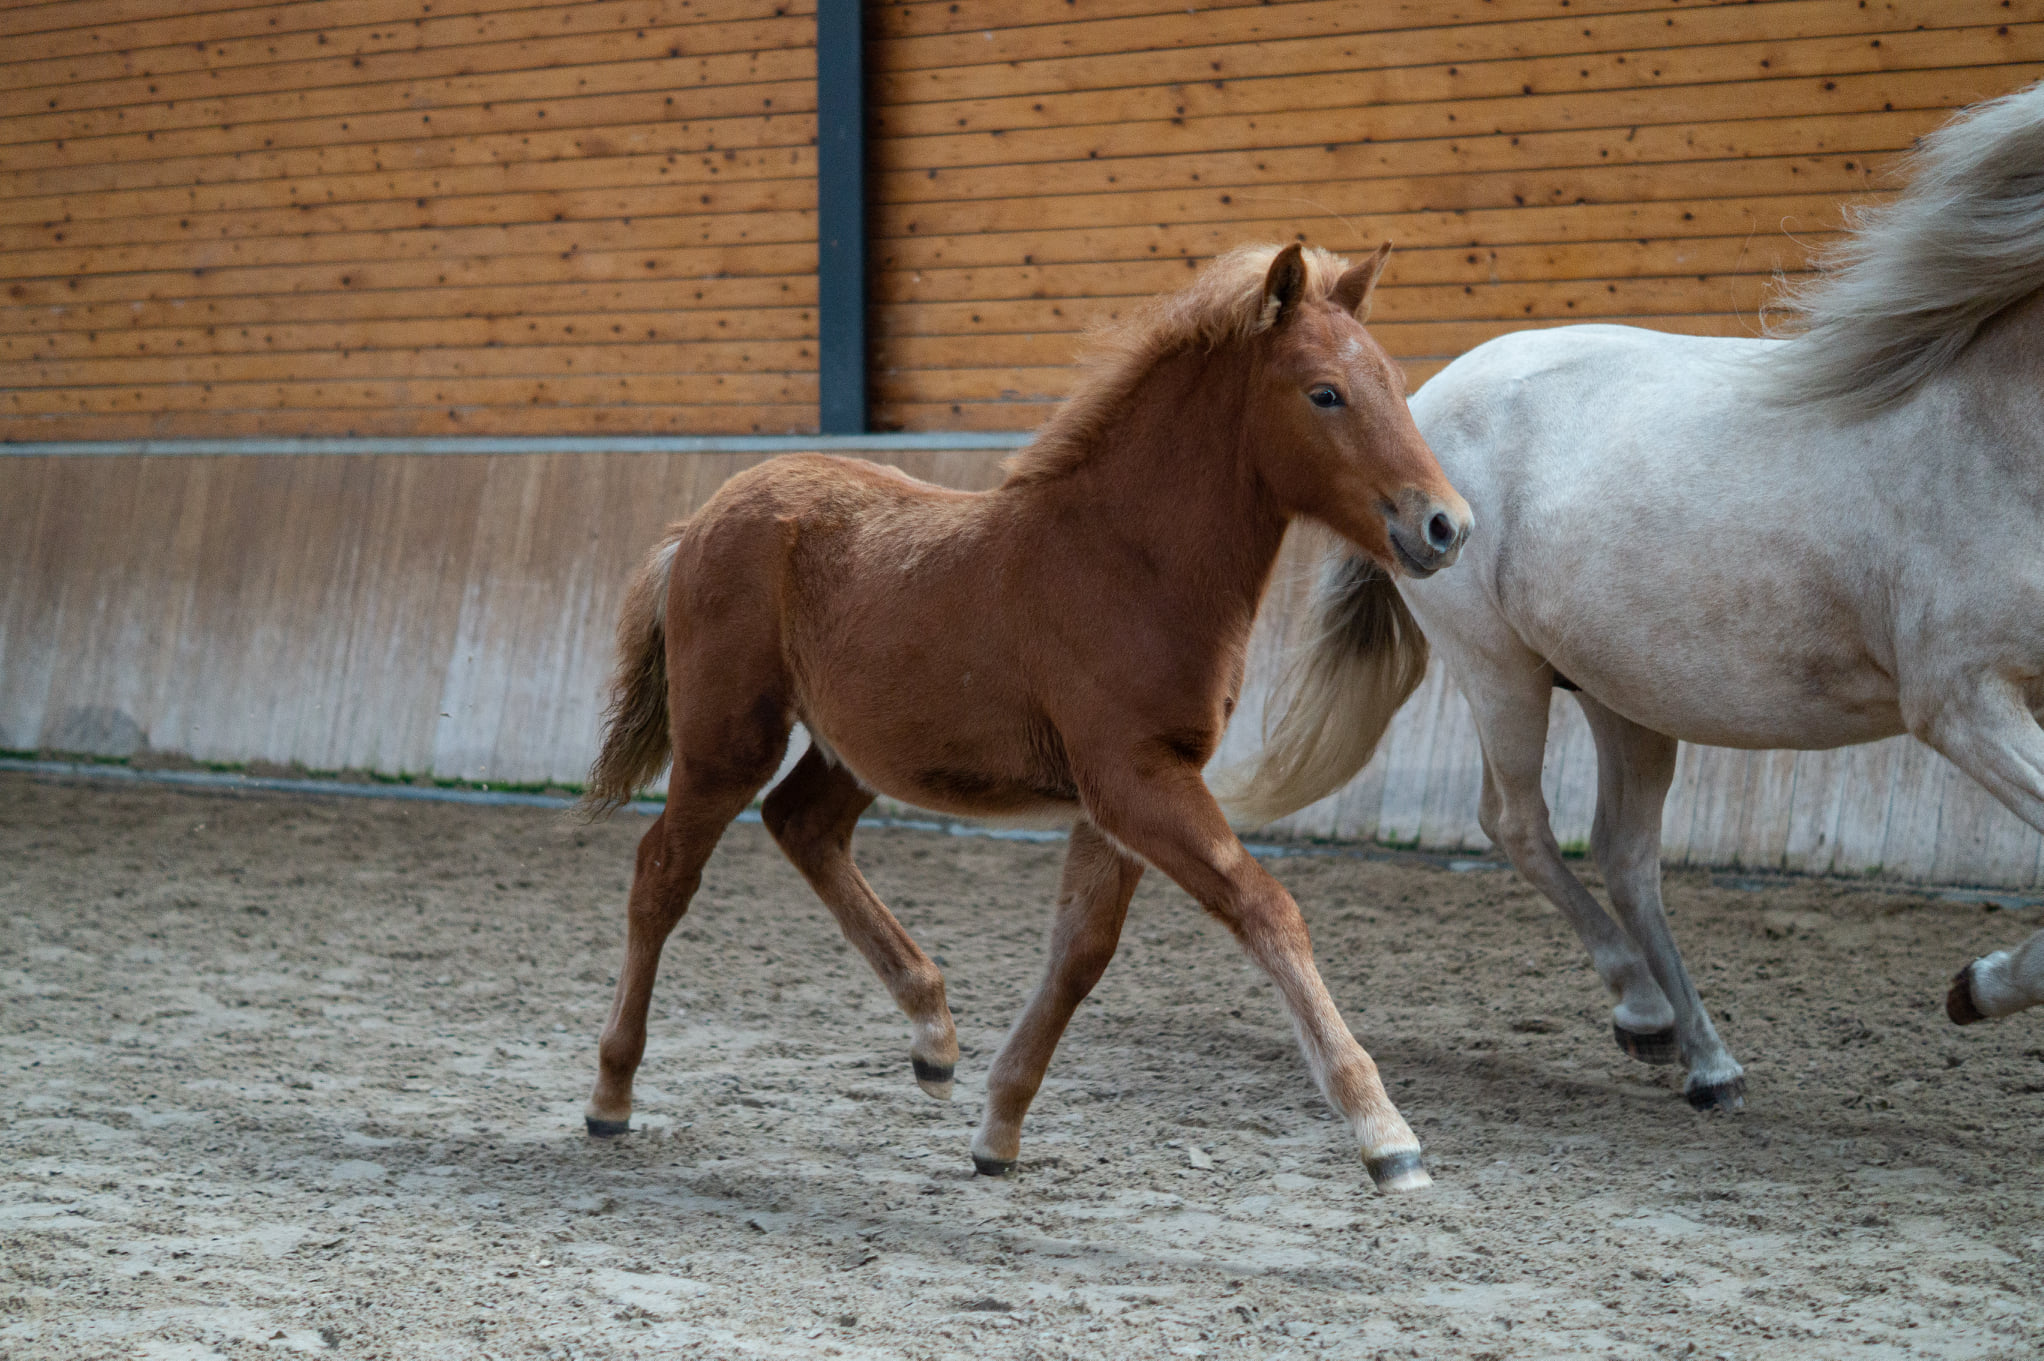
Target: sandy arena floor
(306, 1074)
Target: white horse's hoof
(1651, 1046)
(1729, 1095)
(1400, 1171)
(1960, 1003)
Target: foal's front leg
(1167, 817)
(1092, 903)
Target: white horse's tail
(1896, 301)
(1363, 657)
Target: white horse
(1748, 543)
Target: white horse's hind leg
(1511, 722)
(2000, 984)
(1634, 768)
(1989, 732)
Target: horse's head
(1337, 442)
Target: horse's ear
(1352, 291)
(1284, 286)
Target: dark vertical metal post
(841, 216)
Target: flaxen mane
(1224, 305)
(1898, 299)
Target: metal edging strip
(573, 444)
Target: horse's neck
(2001, 376)
(1169, 476)
(1970, 437)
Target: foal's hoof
(933, 1078)
(1401, 1171)
(1959, 1003)
(607, 1129)
(992, 1167)
(1648, 1046)
(1729, 1095)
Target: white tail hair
(1896, 301)
(1363, 657)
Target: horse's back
(801, 524)
(1637, 498)
(821, 492)
(1560, 386)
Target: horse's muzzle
(1428, 537)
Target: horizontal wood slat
(1055, 285)
(344, 172)
(1406, 33)
(720, 325)
(1155, 132)
(1876, 133)
(737, 219)
(1320, 75)
(519, 418)
(383, 74)
(731, 119)
(248, 33)
(731, 298)
(619, 358)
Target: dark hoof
(1959, 1003)
(933, 1078)
(992, 1167)
(1403, 1171)
(606, 1129)
(1718, 1096)
(1650, 1046)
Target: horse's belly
(1773, 722)
(1728, 696)
(992, 773)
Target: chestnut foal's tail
(636, 745)
(1364, 656)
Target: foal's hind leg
(1092, 902)
(730, 730)
(1634, 768)
(1511, 721)
(670, 869)
(811, 815)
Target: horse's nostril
(1440, 532)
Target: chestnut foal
(1066, 646)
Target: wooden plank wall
(406, 217)
(1040, 164)
(498, 217)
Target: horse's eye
(1324, 397)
